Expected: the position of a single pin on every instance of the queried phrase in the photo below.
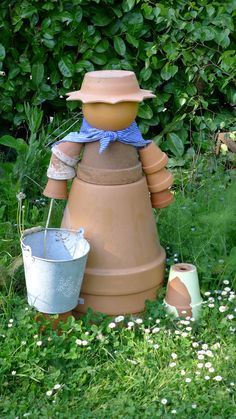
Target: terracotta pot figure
(109, 196)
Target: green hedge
(184, 51)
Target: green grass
(128, 371)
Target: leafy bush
(183, 51)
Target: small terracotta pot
(56, 189)
(152, 158)
(159, 181)
(162, 199)
(183, 294)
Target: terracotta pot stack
(159, 179)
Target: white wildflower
(111, 325)
(147, 331)
(200, 357)
(177, 332)
(207, 293)
(205, 346)
(39, 343)
(211, 305)
(10, 324)
(182, 372)
(132, 361)
(84, 342)
(195, 344)
(207, 377)
(49, 393)
(194, 406)
(164, 401)
(209, 353)
(188, 380)
(184, 334)
(130, 324)
(172, 364)
(208, 364)
(139, 321)
(173, 411)
(218, 378)
(156, 346)
(158, 321)
(222, 309)
(174, 356)
(13, 372)
(57, 386)
(156, 330)
(200, 365)
(230, 317)
(216, 345)
(78, 342)
(189, 328)
(20, 196)
(211, 369)
(226, 282)
(119, 319)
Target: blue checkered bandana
(87, 134)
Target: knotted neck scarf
(87, 134)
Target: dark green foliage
(183, 51)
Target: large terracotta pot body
(126, 262)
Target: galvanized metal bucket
(54, 263)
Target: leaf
(168, 71)
(222, 37)
(2, 52)
(37, 73)
(18, 144)
(66, 67)
(128, 5)
(99, 59)
(100, 17)
(119, 46)
(132, 40)
(83, 65)
(102, 46)
(145, 111)
(175, 144)
(146, 73)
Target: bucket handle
(27, 251)
(80, 233)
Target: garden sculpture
(118, 180)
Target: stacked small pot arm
(159, 179)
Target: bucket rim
(28, 248)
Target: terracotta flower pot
(56, 189)
(162, 199)
(159, 181)
(152, 158)
(126, 263)
(183, 294)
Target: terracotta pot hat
(110, 86)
